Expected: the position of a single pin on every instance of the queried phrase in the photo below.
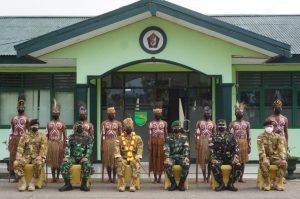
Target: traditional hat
(207, 109)
(128, 122)
(277, 103)
(111, 108)
(82, 109)
(55, 107)
(240, 106)
(21, 101)
(157, 108)
(176, 123)
(221, 123)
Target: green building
(151, 51)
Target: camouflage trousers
(85, 168)
(275, 160)
(135, 166)
(20, 164)
(236, 171)
(185, 166)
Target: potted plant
(292, 162)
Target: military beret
(176, 123)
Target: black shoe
(231, 187)
(181, 184)
(67, 186)
(221, 187)
(83, 186)
(173, 184)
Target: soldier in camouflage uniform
(32, 149)
(128, 151)
(271, 150)
(78, 150)
(224, 150)
(177, 151)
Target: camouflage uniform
(271, 146)
(224, 149)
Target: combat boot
(22, 184)
(279, 184)
(267, 185)
(173, 184)
(67, 186)
(31, 186)
(84, 186)
(221, 186)
(181, 184)
(132, 185)
(230, 186)
(121, 184)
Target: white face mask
(269, 129)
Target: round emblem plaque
(153, 40)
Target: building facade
(146, 52)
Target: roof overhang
(144, 9)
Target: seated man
(78, 151)
(271, 150)
(32, 149)
(177, 152)
(128, 151)
(224, 150)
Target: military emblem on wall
(140, 118)
(153, 40)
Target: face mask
(20, 111)
(157, 117)
(239, 116)
(269, 129)
(111, 116)
(55, 117)
(206, 116)
(34, 129)
(277, 110)
(82, 117)
(222, 129)
(128, 130)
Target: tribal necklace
(129, 148)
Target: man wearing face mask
(111, 129)
(128, 151)
(32, 149)
(157, 133)
(78, 150)
(272, 151)
(55, 131)
(224, 150)
(241, 131)
(177, 151)
(19, 126)
(204, 130)
(280, 122)
(88, 128)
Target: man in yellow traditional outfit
(128, 151)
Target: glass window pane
(199, 80)
(8, 106)
(116, 97)
(66, 100)
(171, 80)
(252, 101)
(285, 95)
(140, 80)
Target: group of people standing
(121, 147)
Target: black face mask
(128, 130)
(111, 116)
(55, 117)
(206, 116)
(82, 117)
(20, 111)
(222, 129)
(239, 116)
(177, 130)
(277, 110)
(34, 129)
(157, 117)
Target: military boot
(121, 184)
(230, 185)
(67, 186)
(132, 185)
(84, 186)
(279, 184)
(173, 184)
(31, 186)
(114, 175)
(221, 186)
(267, 185)
(181, 184)
(22, 184)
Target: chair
(177, 172)
(75, 175)
(28, 173)
(260, 180)
(226, 170)
(127, 176)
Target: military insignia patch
(140, 118)
(153, 40)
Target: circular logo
(153, 40)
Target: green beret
(176, 123)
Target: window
(39, 90)
(259, 90)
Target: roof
(144, 9)
(16, 30)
